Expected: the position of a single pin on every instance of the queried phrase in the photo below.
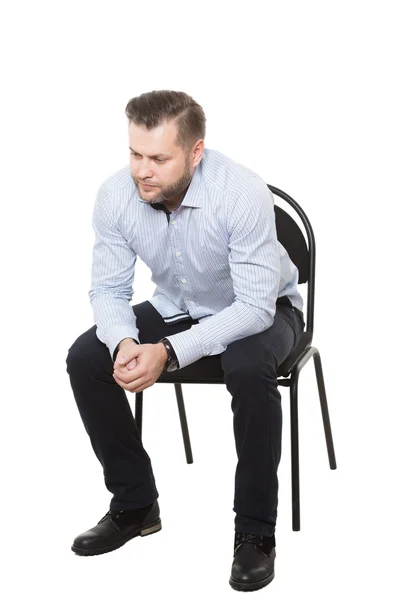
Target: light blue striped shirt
(216, 258)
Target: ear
(197, 152)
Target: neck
(173, 203)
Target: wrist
(172, 363)
(163, 351)
(126, 342)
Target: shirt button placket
(176, 241)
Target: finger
(143, 387)
(139, 385)
(122, 359)
(117, 379)
(127, 377)
(121, 370)
(124, 364)
(126, 361)
(121, 382)
(136, 386)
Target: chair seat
(206, 370)
(209, 370)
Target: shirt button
(173, 222)
(178, 253)
(183, 280)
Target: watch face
(172, 366)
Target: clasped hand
(138, 366)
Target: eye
(160, 160)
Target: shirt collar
(192, 197)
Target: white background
(304, 93)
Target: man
(205, 226)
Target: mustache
(144, 182)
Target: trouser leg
(106, 412)
(250, 366)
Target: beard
(172, 190)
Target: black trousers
(249, 367)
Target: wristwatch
(172, 361)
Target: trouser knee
(88, 354)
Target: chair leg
(324, 409)
(139, 410)
(184, 425)
(294, 435)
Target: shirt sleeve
(254, 262)
(113, 269)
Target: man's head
(166, 141)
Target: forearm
(212, 336)
(113, 268)
(115, 320)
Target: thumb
(132, 364)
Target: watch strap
(170, 352)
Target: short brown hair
(153, 108)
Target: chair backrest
(301, 252)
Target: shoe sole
(251, 586)
(148, 530)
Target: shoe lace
(112, 513)
(250, 538)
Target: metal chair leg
(294, 435)
(139, 411)
(184, 425)
(324, 409)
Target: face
(160, 168)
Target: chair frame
(291, 369)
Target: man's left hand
(140, 371)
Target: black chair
(209, 368)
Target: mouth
(146, 186)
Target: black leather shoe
(253, 563)
(116, 528)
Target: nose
(145, 171)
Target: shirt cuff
(187, 347)
(117, 334)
